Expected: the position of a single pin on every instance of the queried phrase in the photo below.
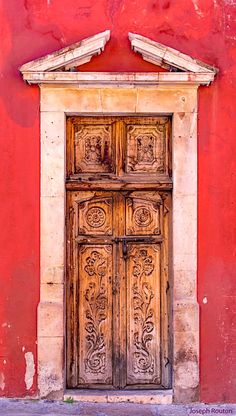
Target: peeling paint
(5, 324)
(197, 9)
(30, 370)
(2, 381)
(204, 300)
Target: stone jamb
(57, 101)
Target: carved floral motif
(96, 313)
(93, 149)
(143, 312)
(145, 147)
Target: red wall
(205, 29)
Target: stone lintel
(119, 79)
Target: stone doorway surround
(65, 93)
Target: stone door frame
(56, 102)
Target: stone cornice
(166, 57)
(60, 67)
(70, 57)
(118, 79)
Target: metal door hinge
(167, 361)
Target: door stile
(119, 335)
(122, 294)
(166, 351)
(119, 130)
(116, 301)
(115, 320)
(72, 296)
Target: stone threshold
(121, 396)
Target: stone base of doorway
(118, 396)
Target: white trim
(70, 57)
(166, 57)
(121, 396)
(130, 79)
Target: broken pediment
(70, 57)
(166, 57)
(60, 67)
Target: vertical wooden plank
(71, 293)
(120, 145)
(95, 314)
(116, 299)
(143, 314)
(69, 147)
(166, 291)
(122, 295)
(169, 148)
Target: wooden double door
(118, 283)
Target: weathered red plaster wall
(205, 29)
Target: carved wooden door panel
(143, 275)
(118, 309)
(91, 270)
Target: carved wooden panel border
(119, 151)
(118, 291)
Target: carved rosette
(96, 217)
(143, 213)
(142, 216)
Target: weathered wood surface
(117, 257)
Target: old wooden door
(118, 221)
